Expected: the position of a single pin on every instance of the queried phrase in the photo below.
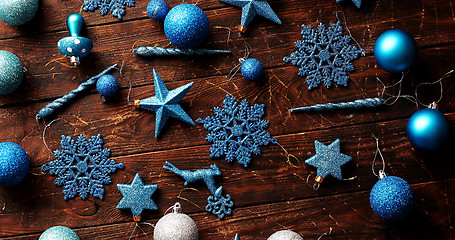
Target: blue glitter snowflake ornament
(237, 130)
(82, 167)
(117, 7)
(324, 55)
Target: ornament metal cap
(433, 105)
(137, 103)
(319, 179)
(137, 218)
(242, 28)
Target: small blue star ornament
(391, 198)
(75, 47)
(357, 3)
(328, 160)
(82, 167)
(165, 103)
(137, 197)
(395, 50)
(251, 8)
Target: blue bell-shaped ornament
(75, 47)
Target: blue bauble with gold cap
(18, 12)
(75, 46)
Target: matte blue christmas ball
(14, 164)
(157, 9)
(392, 198)
(107, 86)
(18, 12)
(395, 50)
(59, 233)
(428, 129)
(186, 26)
(11, 72)
(251, 69)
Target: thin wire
(375, 156)
(325, 234)
(289, 156)
(44, 133)
(3, 202)
(395, 97)
(130, 88)
(248, 50)
(345, 22)
(431, 83)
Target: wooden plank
(268, 179)
(349, 216)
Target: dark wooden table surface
(270, 194)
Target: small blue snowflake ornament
(217, 204)
(328, 160)
(137, 197)
(324, 55)
(237, 130)
(82, 167)
(116, 7)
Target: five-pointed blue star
(137, 197)
(251, 8)
(166, 103)
(356, 2)
(328, 159)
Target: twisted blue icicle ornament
(75, 47)
(159, 51)
(357, 104)
(50, 108)
(217, 204)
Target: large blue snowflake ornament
(82, 167)
(117, 7)
(324, 55)
(237, 130)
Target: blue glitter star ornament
(82, 167)
(237, 130)
(251, 8)
(117, 7)
(137, 197)
(357, 3)
(324, 55)
(165, 103)
(328, 160)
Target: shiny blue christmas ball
(186, 26)
(251, 69)
(392, 198)
(11, 72)
(107, 86)
(157, 9)
(18, 12)
(428, 129)
(59, 233)
(395, 50)
(14, 164)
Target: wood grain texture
(270, 194)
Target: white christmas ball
(176, 226)
(285, 235)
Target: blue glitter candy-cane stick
(159, 51)
(50, 108)
(357, 104)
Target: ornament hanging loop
(381, 173)
(434, 103)
(345, 23)
(3, 203)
